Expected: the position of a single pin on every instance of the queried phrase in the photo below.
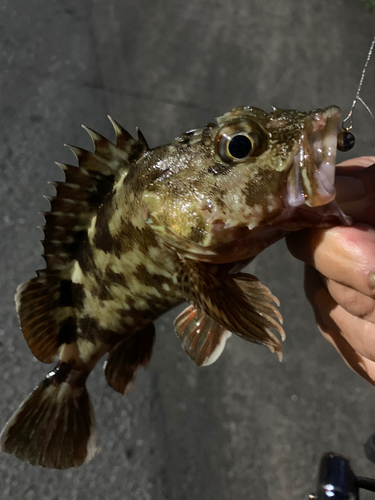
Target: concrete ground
(246, 427)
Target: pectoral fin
(239, 302)
(202, 337)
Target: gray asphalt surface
(246, 427)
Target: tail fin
(55, 426)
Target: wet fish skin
(134, 231)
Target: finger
(358, 363)
(343, 254)
(355, 192)
(322, 305)
(352, 301)
(362, 161)
(358, 332)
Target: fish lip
(312, 174)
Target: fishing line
(345, 139)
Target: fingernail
(349, 189)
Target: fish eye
(240, 146)
(238, 141)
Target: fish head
(219, 185)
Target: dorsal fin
(45, 304)
(78, 198)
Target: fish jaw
(311, 177)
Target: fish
(134, 231)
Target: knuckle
(354, 302)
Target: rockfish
(134, 231)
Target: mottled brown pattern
(254, 191)
(115, 278)
(103, 186)
(140, 317)
(78, 294)
(131, 235)
(197, 233)
(144, 276)
(103, 292)
(93, 331)
(133, 232)
(65, 291)
(103, 239)
(219, 169)
(85, 257)
(195, 194)
(68, 332)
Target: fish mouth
(312, 175)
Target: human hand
(340, 269)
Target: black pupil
(239, 146)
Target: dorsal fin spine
(142, 139)
(122, 135)
(95, 137)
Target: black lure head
(345, 141)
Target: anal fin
(125, 358)
(202, 337)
